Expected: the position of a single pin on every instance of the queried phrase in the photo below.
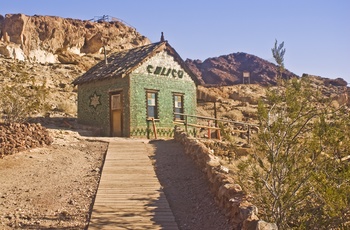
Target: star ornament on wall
(95, 100)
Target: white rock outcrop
(44, 39)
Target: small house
(137, 92)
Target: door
(116, 115)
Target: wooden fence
(210, 121)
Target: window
(178, 106)
(152, 101)
(116, 102)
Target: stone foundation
(229, 195)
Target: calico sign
(165, 71)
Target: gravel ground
(186, 188)
(51, 187)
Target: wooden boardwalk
(129, 195)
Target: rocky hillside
(49, 39)
(61, 97)
(239, 102)
(228, 70)
(55, 51)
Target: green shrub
(296, 173)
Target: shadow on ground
(66, 123)
(130, 218)
(186, 188)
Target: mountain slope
(228, 69)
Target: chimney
(105, 55)
(162, 37)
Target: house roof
(123, 63)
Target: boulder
(66, 57)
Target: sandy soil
(54, 187)
(51, 187)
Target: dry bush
(21, 96)
(67, 108)
(234, 114)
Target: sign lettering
(165, 71)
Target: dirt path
(54, 187)
(51, 187)
(186, 188)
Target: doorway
(116, 114)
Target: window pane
(177, 116)
(178, 106)
(116, 102)
(178, 101)
(152, 104)
(151, 99)
(151, 111)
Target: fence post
(209, 131)
(186, 126)
(154, 128)
(148, 129)
(248, 134)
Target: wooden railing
(209, 127)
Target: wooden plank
(197, 126)
(137, 220)
(129, 194)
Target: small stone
(262, 225)
(96, 170)
(224, 169)
(71, 202)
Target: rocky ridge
(228, 70)
(51, 39)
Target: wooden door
(116, 115)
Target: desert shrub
(21, 96)
(226, 132)
(234, 114)
(67, 107)
(249, 112)
(297, 172)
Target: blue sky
(316, 33)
